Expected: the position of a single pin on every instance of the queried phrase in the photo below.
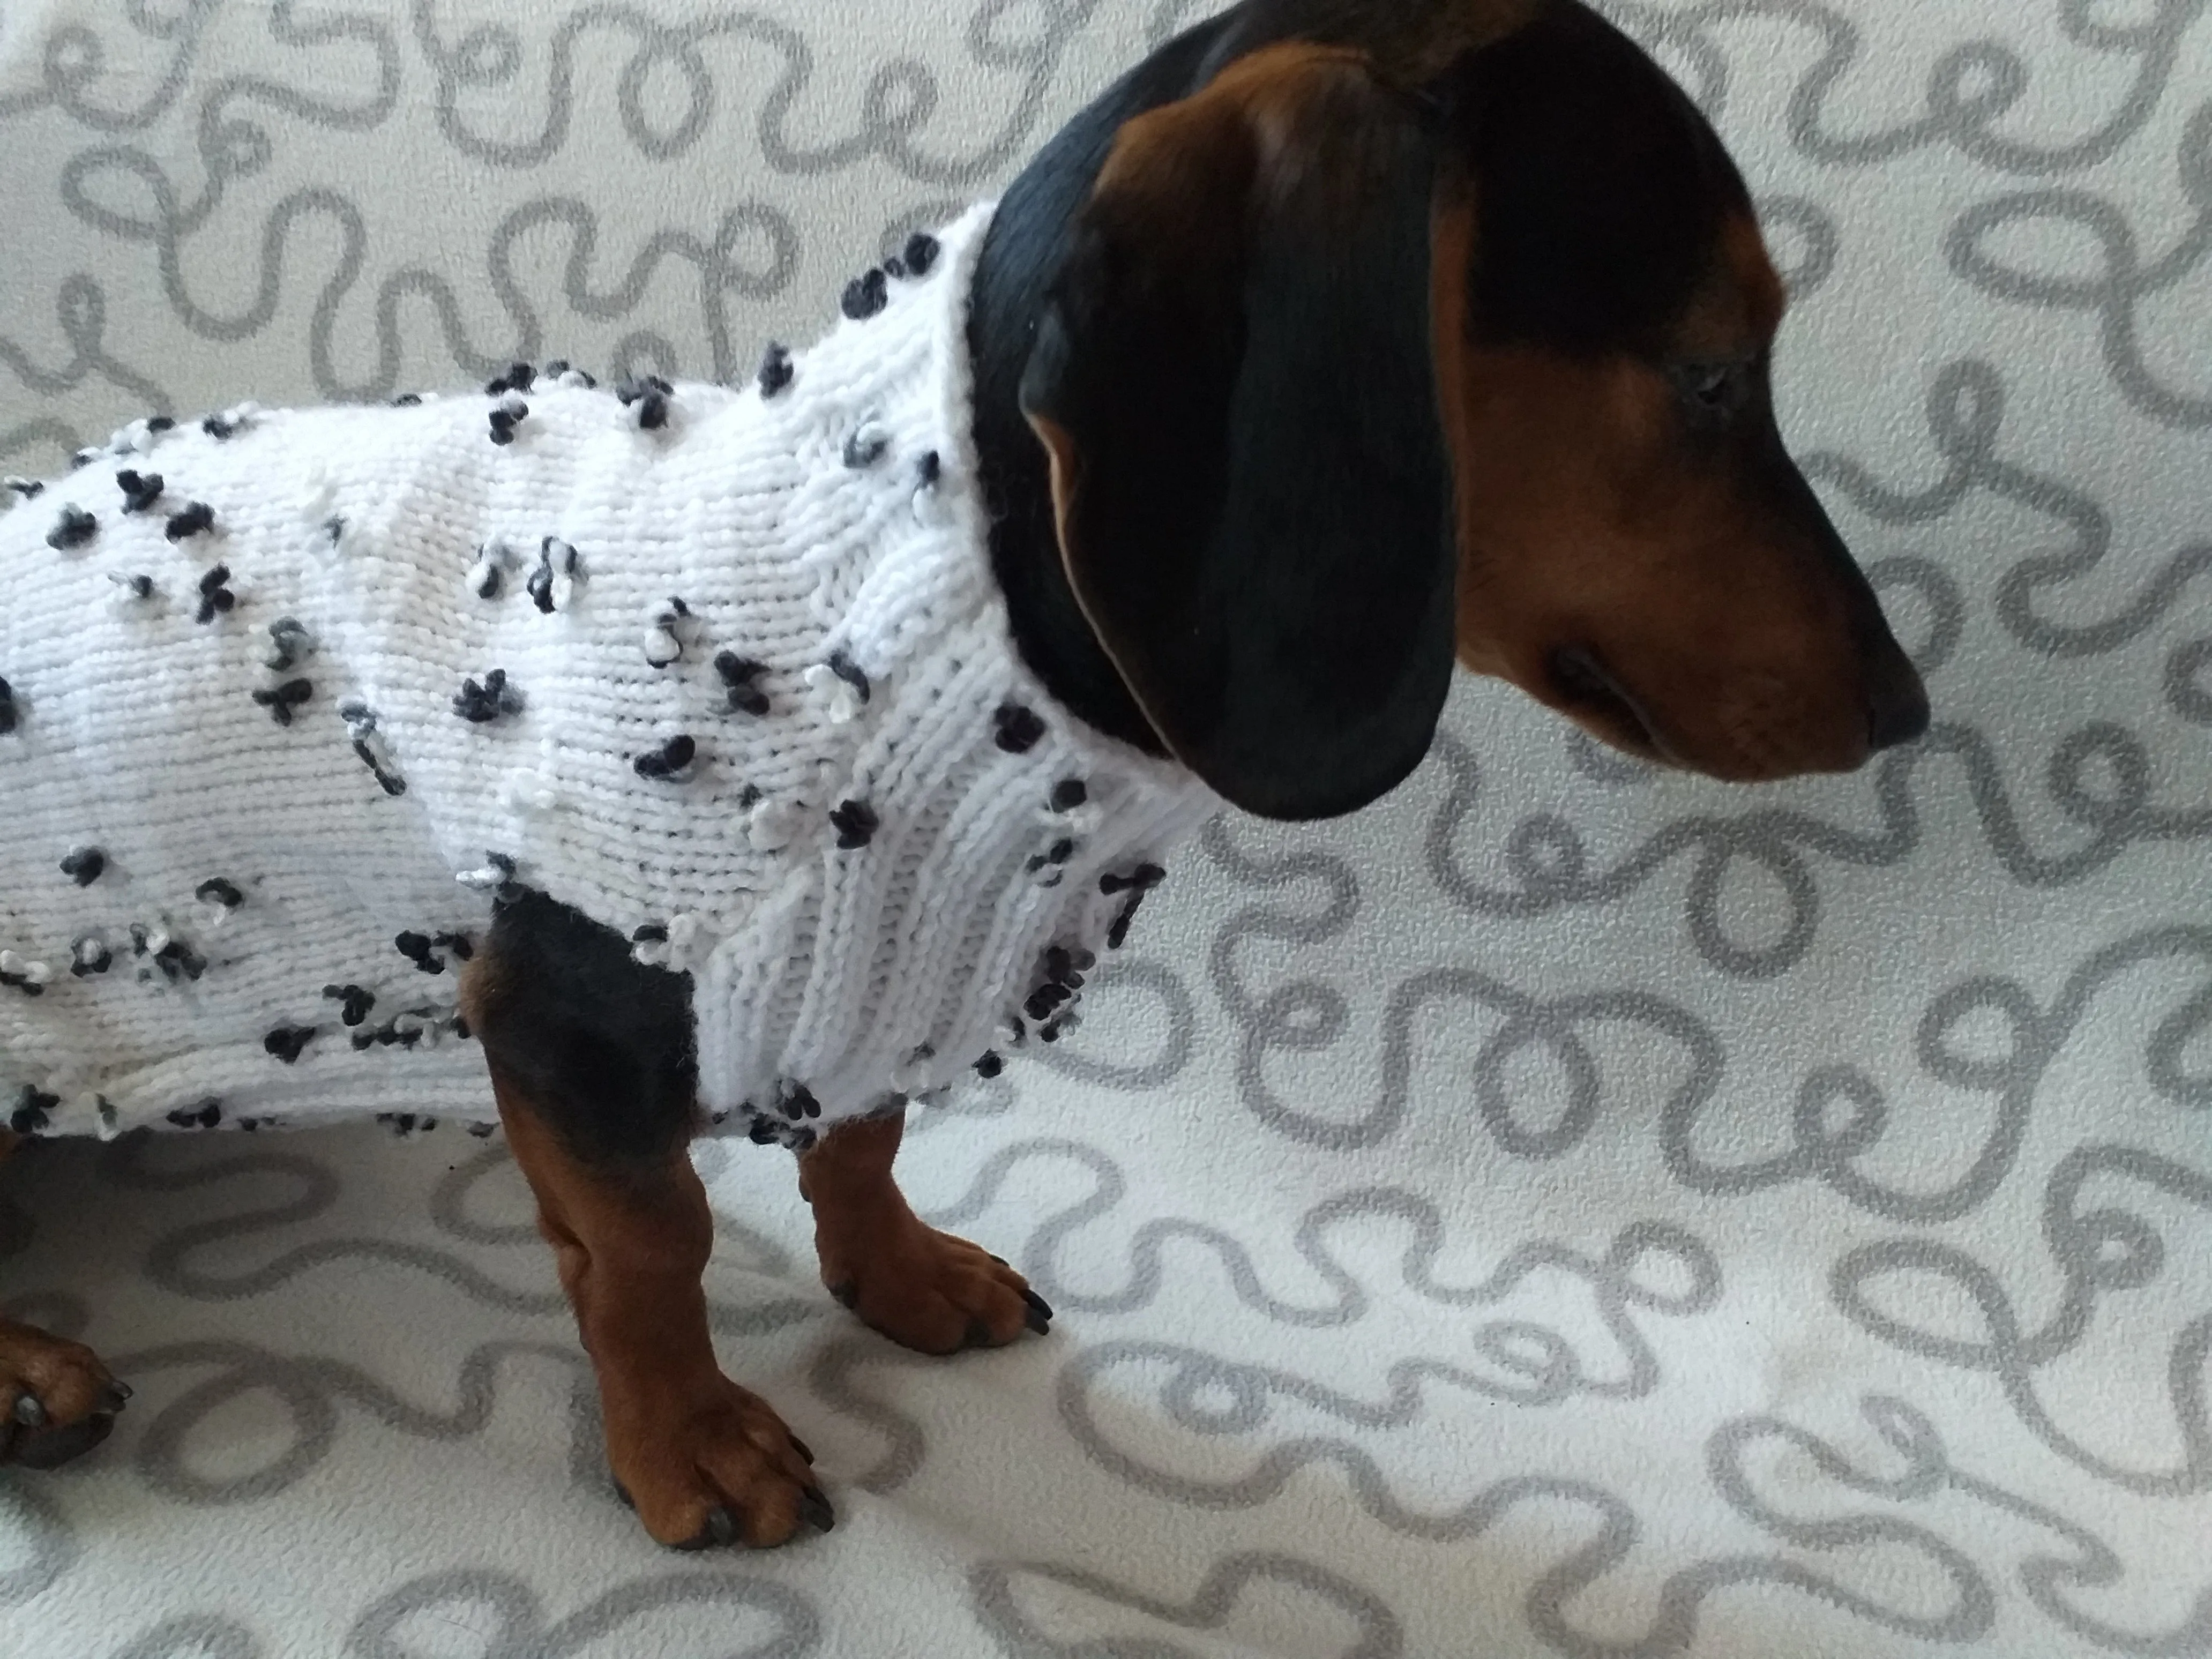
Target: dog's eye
(1713, 391)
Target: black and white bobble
(481, 704)
(72, 530)
(216, 598)
(869, 443)
(289, 644)
(230, 421)
(368, 745)
(195, 518)
(90, 955)
(776, 371)
(20, 972)
(140, 490)
(494, 878)
(866, 295)
(84, 864)
(842, 684)
(738, 676)
(509, 413)
(281, 700)
(670, 763)
(552, 585)
(668, 626)
(132, 590)
(648, 399)
(218, 899)
(353, 1002)
(487, 577)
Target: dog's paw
(725, 1471)
(56, 1401)
(938, 1294)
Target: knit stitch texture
(297, 695)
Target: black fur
(599, 1044)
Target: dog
(1339, 343)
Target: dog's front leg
(702, 1460)
(923, 1289)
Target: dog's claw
(798, 1446)
(814, 1508)
(112, 1396)
(1040, 1314)
(721, 1528)
(978, 1335)
(29, 1413)
(848, 1293)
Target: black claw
(814, 1508)
(623, 1492)
(800, 1446)
(978, 1335)
(1001, 1260)
(847, 1293)
(722, 1525)
(112, 1398)
(1040, 1314)
(29, 1411)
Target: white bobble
(773, 825)
(490, 878)
(668, 624)
(19, 967)
(512, 406)
(530, 794)
(841, 698)
(102, 1111)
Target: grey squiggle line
(718, 265)
(833, 1379)
(2187, 688)
(1809, 272)
(1966, 418)
(900, 99)
(2035, 1038)
(58, 434)
(1611, 1278)
(2095, 1565)
(991, 1588)
(523, 1633)
(1971, 89)
(81, 308)
(2114, 299)
(310, 1389)
(41, 1536)
(2081, 1243)
(168, 1261)
(193, 1635)
(1675, 1622)
(75, 57)
(1546, 856)
(1178, 1039)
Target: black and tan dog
(1317, 278)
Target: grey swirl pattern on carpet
(1564, 1210)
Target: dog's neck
(1015, 270)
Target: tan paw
(724, 1471)
(938, 1294)
(56, 1401)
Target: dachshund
(1339, 343)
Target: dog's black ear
(1235, 383)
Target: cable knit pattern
(298, 695)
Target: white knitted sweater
(760, 712)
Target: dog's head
(1441, 330)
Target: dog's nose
(1897, 709)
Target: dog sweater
(294, 698)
